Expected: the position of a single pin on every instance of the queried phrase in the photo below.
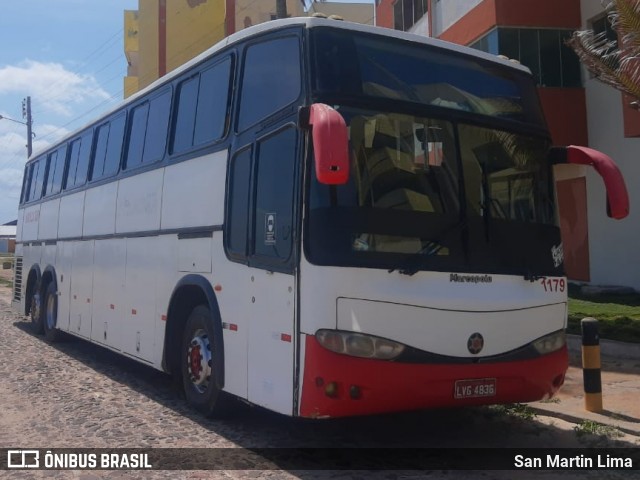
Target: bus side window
(25, 184)
(270, 81)
(186, 116)
(54, 181)
(73, 164)
(213, 101)
(108, 150)
(157, 126)
(275, 183)
(238, 210)
(35, 192)
(148, 131)
(79, 160)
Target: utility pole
(26, 114)
(281, 8)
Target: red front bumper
(382, 386)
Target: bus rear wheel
(197, 358)
(50, 321)
(35, 312)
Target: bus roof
(274, 25)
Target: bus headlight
(359, 344)
(550, 343)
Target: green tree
(616, 63)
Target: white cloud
(50, 85)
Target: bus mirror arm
(330, 143)
(617, 196)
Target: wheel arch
(192, 290)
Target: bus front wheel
(197, 360)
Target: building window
(406, 13)
(544, 51)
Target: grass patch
(589, 427)
(618, 315)
(519, 410)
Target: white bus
(321, 218)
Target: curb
(608, 348)
(557, 411)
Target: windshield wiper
(432, 248)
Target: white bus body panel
(71, 215)
(193, 192)
(19, 227)
(427, 310)
(445, 332)
(49, 220)
(100, 210)
(234, 297)
(63, 272)
(109, 309)
(139, 202)
(138, 332)
(31, 223)
(81, 288)
(271, 340)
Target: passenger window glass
(101, 151)
(36, 181)
(271, 79)
(73, 164)
(239, 187)
(187, 101)
(136, 136)
(83, 159)
(114, 146)
(274, 195)
(55, 176)
(212, 103)
(157, 125)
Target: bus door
(261, 233)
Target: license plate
(482, 387)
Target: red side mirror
(330, 144)
(617, 196)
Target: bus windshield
(354, 66)
(427, 193)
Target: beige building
(163, 34)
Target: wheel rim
(51, 312)
(199, 360)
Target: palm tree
(616, 63)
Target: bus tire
(50, 314)
(197, 357)
(35, 311)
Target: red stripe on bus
(233, 327)
(112, 306)
(134, 311)
(163, 318)
(362, 386)
(285, 337)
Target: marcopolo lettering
(456, 278)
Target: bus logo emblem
(475, 343)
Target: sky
(68, 56)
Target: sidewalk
(620, 388)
